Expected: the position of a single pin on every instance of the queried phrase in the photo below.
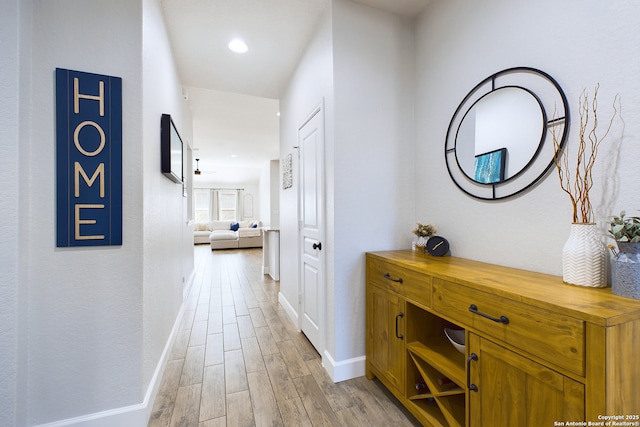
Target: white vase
(420, 243)
(584, 257)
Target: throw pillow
(235, 226)
(254, 225)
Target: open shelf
(428, 411)
(448, 396)
(433, 361)
(432, 413)
(442, 356)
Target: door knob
(317, 246)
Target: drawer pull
(502, 319)
(388, 277)
(472, 357)
(399, 315)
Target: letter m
(79, 171)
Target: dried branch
(588, 145)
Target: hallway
(238, 360)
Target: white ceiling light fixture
(238, 46)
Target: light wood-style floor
(238, 360)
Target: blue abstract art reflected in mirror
(490, 167)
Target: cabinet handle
(472, 357)
(399, 315)
(502, 319)
(388, 277)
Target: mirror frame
(549, 96)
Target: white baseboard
(338, 371)
(292, 312)
(345, 369)
(134, 415)
(187, 286)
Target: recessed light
(238, 46)
(233, 155)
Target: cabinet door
(385, 325)
(515, 391)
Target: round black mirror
(498, 141)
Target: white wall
(372, 187)
(15, 26)
(84, 329)
(270, 194)
(309, 86)
(167, 238)
(274, 193)
(84, 304)
(579, 43)
(360, 63)
(264, 186)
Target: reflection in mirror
(508, 118)
(497, 142)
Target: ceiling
(234, 97)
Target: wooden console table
(539, 352)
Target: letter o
(77, 143)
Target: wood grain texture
(566, 352)
(214, 350)
(281, 381)
(193, 363)
(216, 422)
(294, 361)
(598, 306)
(623, 369)
(213, 393)
(231, 337)
(263, 400)
(293, 413)
(337, 395)
(245, 327)
(316, 405)
(267, 344)
(187, 406)
(253, 360)
(561, 344)
(198, 333)
(231, 386)
(239, 410)
(235, 375)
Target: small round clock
(437, 246)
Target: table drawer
(411, 285)
(549, 335)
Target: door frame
(318, 110)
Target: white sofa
(219, 234)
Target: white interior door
(312, 286)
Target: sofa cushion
(202, 226)
(249, 232)
(223, 235)
(219, 225)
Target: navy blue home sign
(88, 159)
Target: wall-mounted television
(171, 149)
